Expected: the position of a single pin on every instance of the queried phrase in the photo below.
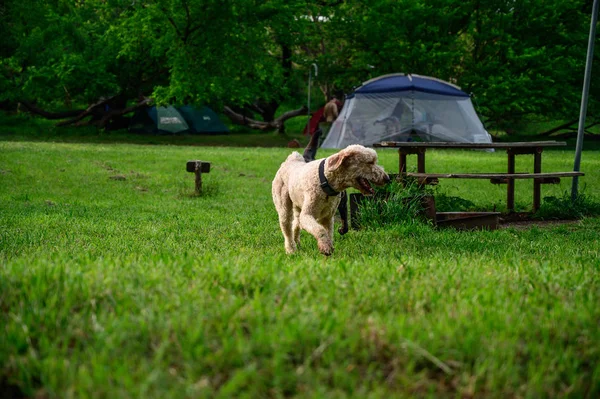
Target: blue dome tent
(401, 107)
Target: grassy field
(117, 281)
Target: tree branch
(557, 128)
(278, 123)
(291, 114)
(120, 112)
(172, 21)
(50, 115)
(188, 21)
(85, 113)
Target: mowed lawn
(116, 281)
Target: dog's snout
(388, 178)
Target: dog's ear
(336, 160)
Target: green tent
(158, 120)
(203, 120)
(171, 120)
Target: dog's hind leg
(284, 206)
(296, 226)
(286, 220)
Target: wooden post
(421, 160)
(198, 173)
(537, 183)
(198, 167)
(510, 183)
(402, 165)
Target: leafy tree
(526, 57)
(248, 57)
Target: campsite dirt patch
(524, 225)
(524, 221)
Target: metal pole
(584, 98)
(309, 84)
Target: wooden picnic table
(535, 148)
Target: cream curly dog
(306, 195)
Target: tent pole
(584, 98)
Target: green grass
(138, 288)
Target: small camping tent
(402, 107)
(155, 120)
(203, 120)
(186, 119)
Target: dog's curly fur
(302, 204)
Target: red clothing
(313, 123)
(316, 118)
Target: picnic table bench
(534, 148)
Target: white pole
(584, 98)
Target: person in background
(331, 110)
(330, 113)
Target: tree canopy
(252, 58)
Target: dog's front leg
(324, 239)
(329, 226)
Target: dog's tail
(310, 152)
(295, 156)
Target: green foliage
(526, 58)
(519, 58)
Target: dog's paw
(290, 248)
(325, 248)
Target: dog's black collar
(323, 181)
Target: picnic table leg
(402, 165)
(510, 183)
(421, 160)
(537, 168)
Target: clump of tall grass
(564, 207)
(394, 204)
